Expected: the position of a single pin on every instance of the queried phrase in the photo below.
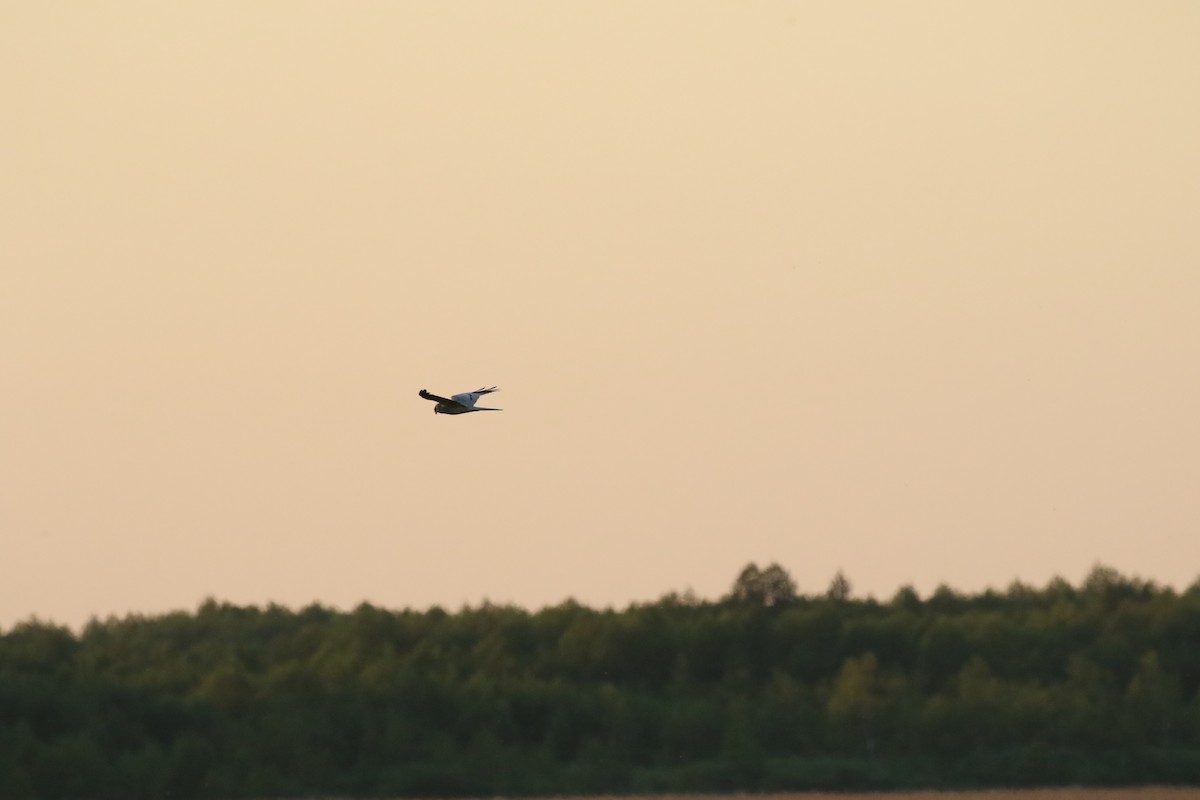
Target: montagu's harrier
(460, 403)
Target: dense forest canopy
(765, 689)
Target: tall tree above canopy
(839, 588)
(766, 587)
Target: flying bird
(460, 403)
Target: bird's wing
(468, 398)
(436, 399)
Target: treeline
(766, 689)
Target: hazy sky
(910, 290)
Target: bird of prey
(460, 403)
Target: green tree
(906, 599)
(839, 588)
(1152, 702)
(857, 701)
(766, 588)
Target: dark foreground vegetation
(763, 690)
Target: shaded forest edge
(764, 690)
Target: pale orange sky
(904, 289)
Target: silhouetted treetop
(839, 588)
(766, 588)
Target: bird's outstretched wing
(436, 399)
(468, 398)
